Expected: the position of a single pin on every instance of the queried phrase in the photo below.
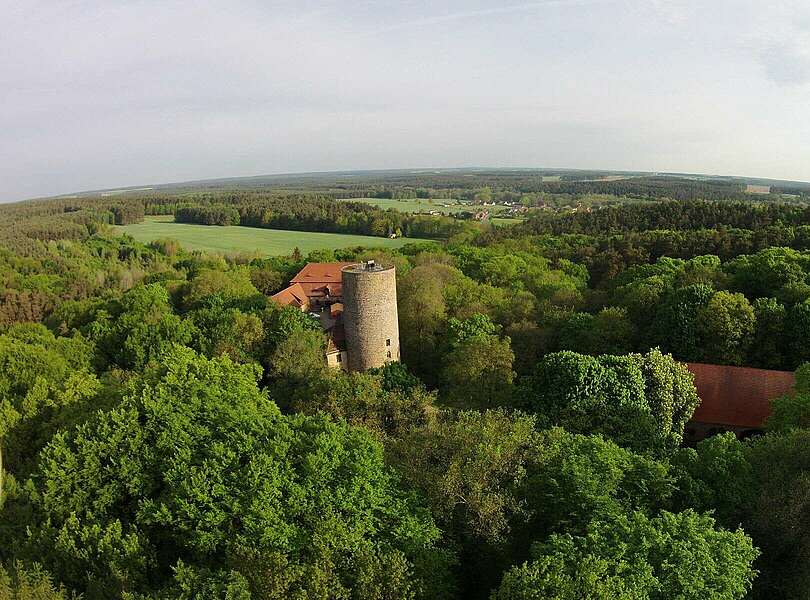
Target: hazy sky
(106, 94)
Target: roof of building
(737, 396)
(321, 279)
(294, 295)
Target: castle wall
(370, 316)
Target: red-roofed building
(734, 399)
(293, 295)
(318, 284)
(318, 290)
(322, 282)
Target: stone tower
(370, 315)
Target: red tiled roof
(737, 396)
(321, 279)
(294, 295)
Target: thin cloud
(103, 95)
(786, 63)
(484, 12)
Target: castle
(357, 308)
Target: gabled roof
(737, 396)
(294, 295)
(321, 279)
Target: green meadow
(271, 242)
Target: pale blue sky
(107, 94)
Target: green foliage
(44, 384)
(422, 313)
(677, 320)
(715, 475)
(792, 411)
(553, 576)
(471, 468)
(478, 372)
(29, 584)
(395, 377)
(726, 325)
(776, 514)
(266, 280)
(168, 475)
(613, 332)
(476, 325)
(764, 485)
(281, 323)
(362, 399)
(582, 478)
(134, 331)
(297, 367)
(641, 401)
(633, 557)
(223, 330)
(798, 332)
(767, 346)
(196, 482)
(233, 286)
(770, 272)
(670, 392)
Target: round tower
(370, 315)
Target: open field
(272, 242)
(426, 205)
(504, 221)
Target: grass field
(271, 242)
(415, 206)
(504, 221)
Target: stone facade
(370, 315)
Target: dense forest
(167, 431)
(319, 214)
(465, 183)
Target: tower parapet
(370, 315)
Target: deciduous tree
(196, 482)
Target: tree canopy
(196, 481)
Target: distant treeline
(24, 224)
(207, 215)
(685, 215)
(321, 214)
(651, 188)
(505, 184)
(310, 203)
(605, 256)
(513, 186)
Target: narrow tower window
(388, 342)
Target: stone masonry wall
(370, 316)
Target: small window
(389, 354)
(388, 342)
(339, 357)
